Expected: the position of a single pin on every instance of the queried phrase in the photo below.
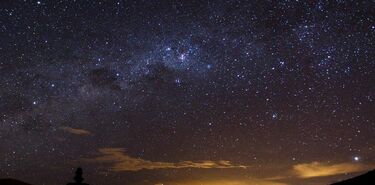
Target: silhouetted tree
(78, 177)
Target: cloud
(122, 162)
(251, 181)
(76, 131)
(317, 169)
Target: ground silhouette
(365, 179)
(77, 178)
(12, 182)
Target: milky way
(187, 92)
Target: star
(177, 81)
(182, 56)
(209, 66)
(356, 158)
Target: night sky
(158, 92)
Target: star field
(187, 92)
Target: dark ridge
(77, 178)
(364, 179)
(12, 182)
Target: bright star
(356, 158)
(182, 56)
(177, 81)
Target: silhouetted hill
(12, 182)
(365, 179)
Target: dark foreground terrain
(365, 179)
(12, 182)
